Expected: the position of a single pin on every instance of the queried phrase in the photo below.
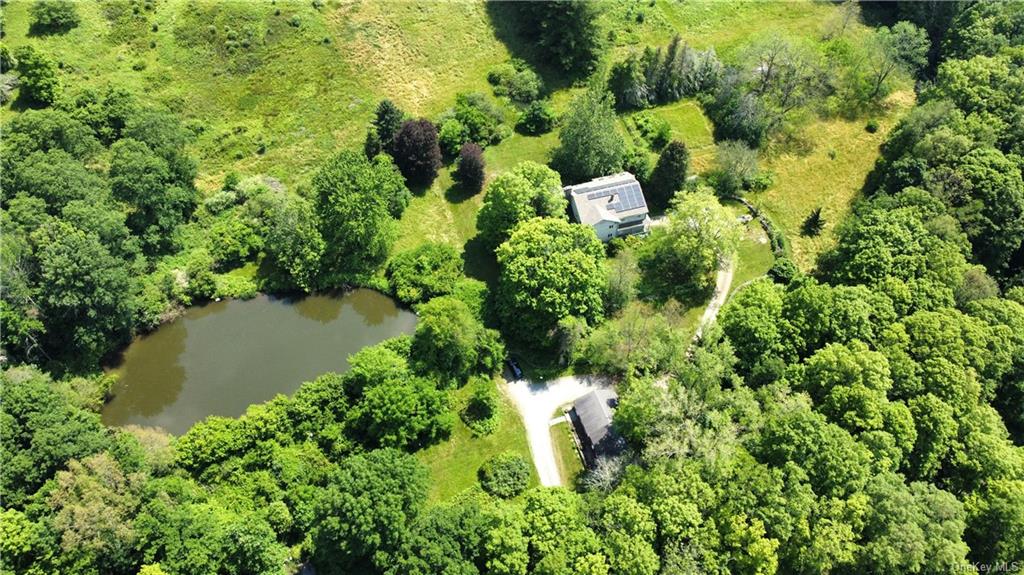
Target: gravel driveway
(537, 404)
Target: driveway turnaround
(537, 403)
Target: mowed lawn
(453, 464)
(570, 465)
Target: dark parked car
(513, 367)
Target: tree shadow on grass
(458, 193)
(505, 22)
(479, 262)
(419, 189)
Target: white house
(613, 205)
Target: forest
(857, 406)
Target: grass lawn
(570, 465)
(692, 127)
(453, 464)
(829, 176)
(754, 255)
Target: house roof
(609, 198)
(594, 411)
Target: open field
(829, 176)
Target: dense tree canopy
(590, 143)
(527, 191)
(354, 197)
(550, 270)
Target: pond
(222, 357)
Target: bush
(481, 412)
(452, 136)
(783, 271)
(525, 86)
(735, 167)
(38, 74)
(516, 81)
(500, 77)
(637, 161)
(536, 119)
(505, 475)
(871, 126)
(469, 171)
(424, 272)
(481, 118)
(655, 130)
(53, 16)
(232, 240)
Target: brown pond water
(220, 358)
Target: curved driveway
(537, 404)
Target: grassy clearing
(689, 125)
(453, 464)
(831, 176)
(754, 255)
(570, 466)
(727, 26)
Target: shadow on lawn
(458, 193)
(505, 21)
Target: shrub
(53, 16)
(525, 86)
(655, 130)
(481, 412)
(469, 171)
(735, 167)
(505, 475)
(38, 74)
(783, 271)
(232, 240)
(452, 136)
(637, 161)
(202, 284)
(871, 126)
(424, 272)
(417, 152)
(536, 119)
(500, 77)
(481, 118)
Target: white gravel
(537, 403)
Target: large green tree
(550, 270)
(680, 258)
(527, 191)
(590, 143)
(355, 221)
(85, 295)
(567, 32)
(453, 344)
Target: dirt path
(723, 281)
(537, 403)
